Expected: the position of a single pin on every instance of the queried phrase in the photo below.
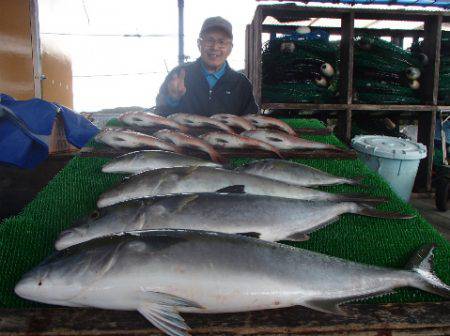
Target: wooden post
(430, 82)
(346, 75)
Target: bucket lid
(389, 147)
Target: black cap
(217, 22)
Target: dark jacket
(232, 93)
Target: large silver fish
(192, 120)
(260, 121)
(147, 119)
(293, 173)
(185, 140)
(285, 141)
(164, 273)
(208, 179)
(234, 121)
(140, 161)
(122, 138)
(265, 217)
(234, 141)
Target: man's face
(215, 46)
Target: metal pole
(180, 31)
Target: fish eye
(118, 139)
(274, 139)
(40, 283)
(189, 121)
(137, 119)
(95, 214)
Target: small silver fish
(266, 217)
(164, 273)
(140, 161)
(260, 121)
(293, 173)
(185, 140)
(227, 140)
(285, 141)
(146, 119)
(121, 138)
(192, 120)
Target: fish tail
(357, 181)
(425, 279)
(369, 211)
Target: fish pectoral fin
(234, 189)
(164, 299)
(165, 318)
(298, 236)
(330, 306)
(161, 310)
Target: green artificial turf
(26, 239)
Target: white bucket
(395, 159)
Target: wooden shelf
(362, 107)
(431, 33)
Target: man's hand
(175, 86)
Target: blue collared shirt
(211, 78)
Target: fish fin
(372, 212)
(361, 198)
(165, 318)
(330, 306)
(164, 299)
(297, 236)
(422, 265)
(250, 234)
(233, 189)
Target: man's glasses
(210, 42)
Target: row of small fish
(224, 122)
(273, 141)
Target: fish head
(124, 163)
(115, 138)
(98, 223)
(49, 282)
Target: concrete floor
(425, 204)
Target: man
(208, 86)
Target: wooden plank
(247, 51)
(301, 106)
(285, 12)
(288, 29)
(427, 121)
(431, 318)
(344, 127)
(390, 107)
(346, 64)
(228, 154)
(257, 36)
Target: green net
(299, 71)
(383, 72)
(26, 239)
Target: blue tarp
(425, 3)
(25, 128)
